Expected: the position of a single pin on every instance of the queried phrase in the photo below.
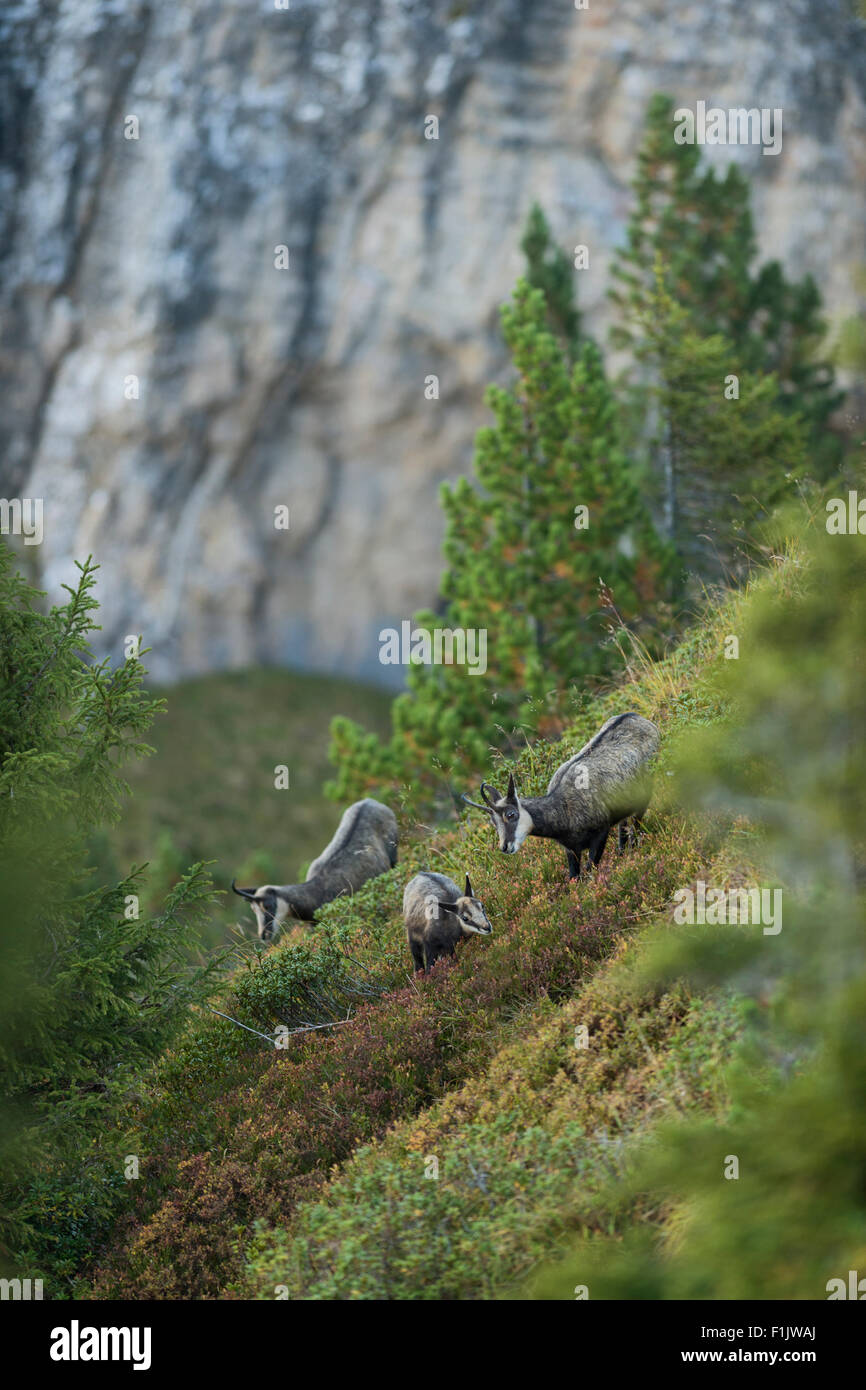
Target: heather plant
(528, 1144)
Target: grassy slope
(319, 1148)
(524, 1151)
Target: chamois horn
(484, 795)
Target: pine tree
(522, 567)
(90, 989)
(548, 269)
(728, 450)
(699, 224)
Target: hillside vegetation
(301, 1169)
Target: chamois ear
(448, 907)
(468, 891)
(511, 794)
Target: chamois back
(363, 846)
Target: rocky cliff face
(154, 258)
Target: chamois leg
(434, 953)
(596, 849)
(629, 832)
(573, 861)
(417, 956)
(636, 831)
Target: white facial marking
(259, 909)
(473, 910)
(512, 832)
(524, 825)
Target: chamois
(364, 845)
(437, 915)
(601, 786)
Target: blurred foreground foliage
(91, 987)
(790, 756)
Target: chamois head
(269, 906)
(469, 912)
(511, 819)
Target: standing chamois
(437, 915)
(601, 786)
(365, 845)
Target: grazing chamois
(601, 786)
(364, 845)
(437, 915)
